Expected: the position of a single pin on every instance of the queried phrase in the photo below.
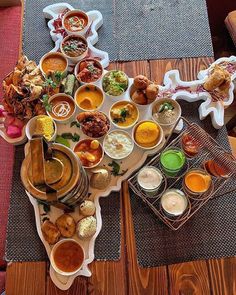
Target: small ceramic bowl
(65, 120)
(53, 54)
(97, 63)
(72, 13)
(30, 128)
(109, 153)
(112, 119)
(100, 146)
(91, 86)
(74, 59)
(168, 127)
(115, 97)
(53, 261)
(160, 138)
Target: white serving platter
(133, 162)
(95, 17)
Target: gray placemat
(210, 233)
(132, 29)
(23, 243)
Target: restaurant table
(217, 276)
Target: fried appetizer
(66, 225)
(86, 227)
(151, 92)
(50, 232)
(87, 208)
(141, 82)
(139, 97)
(217, 77)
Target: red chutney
(89, 152)
(89, 71)
(76, 21)
(68, 256)
(190, 145)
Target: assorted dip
(172, 161)
(149, 178)
(118, 144)
(124, 114)
(89, 151)
(115, 83)
(190, 145)
(174, 202)
(89, 97)
(197, 181)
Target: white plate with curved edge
(53, 11)
(188, 90)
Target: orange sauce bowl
(67, 257)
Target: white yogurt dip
(149, 178)
(174, 202)
(118, 144)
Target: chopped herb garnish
(166, 106)
(75, 123)
(47, 105)
(70, 136)
(116, 169)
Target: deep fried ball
(139, 97)
(151, 92)
(50, 232)
(141, 82)
(66, 225)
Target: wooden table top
(204, 277)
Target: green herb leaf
(46, 208)
(76, 137)
(75, 123)
(116, 169)
(62, 140)
(69, 135)
(166, 106)
(46, 104)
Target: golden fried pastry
(217, 77)
(87, 208)
(151, 92)
(141, 82)
(66, 225)
(50, 232)
(139, 97)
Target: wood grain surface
(125, 276)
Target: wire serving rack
(209, 150)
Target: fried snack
(23, 89)
(86, 227)
(87, 208)
(141, 82)
(66, 225)
(50, 232)
(218, 78)
(151, 92)
(139, 97)
(100, 178)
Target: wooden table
(204, 277)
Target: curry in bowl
(89, 97)
(124, 114)
(53, 62)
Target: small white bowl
(67, 120)
(81, 88)
(123, 127)
(53, 54)
(74, 59)
(53, 262)
(76, 70)
(161, 135)
(30, 127)
(115, 97)
(90, 167)
(121, 157)
(71, 13)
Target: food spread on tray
(50, 98)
